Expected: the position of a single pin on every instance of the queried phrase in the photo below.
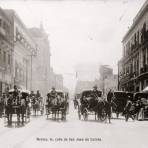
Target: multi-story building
(59, 81)
(133, 66)
(23, 50)
(105, 71)
(87, 71)
(6, 50)
(108, 80)
(83, 85)
(41, 63)
(111, 83)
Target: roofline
(5, 15)
(141, 12)
(16, 16)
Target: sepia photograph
(73, 73)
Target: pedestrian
(128, 109)
(109, 96)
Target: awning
(145, 90)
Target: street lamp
(33, 54)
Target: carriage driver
(95, 92)
(16, 91)
(52, 94)
(16, 95)
(38, 95)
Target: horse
(35, 105)
(1, 106)
(9, 109)
(58, 105)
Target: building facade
(83, 85)
(108, 80)
(6, 52)
(59, 81)
(105, 71)
(133, 66)
(41, 63)
(23, 49)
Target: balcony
(131, 75)
(144, 69)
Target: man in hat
(53, 93)
(127, 109)
(16, 92)
(95, 92)
(38, 95)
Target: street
(91, 53)
(42, 132)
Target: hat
(95, 86)
(53, 87)
(15, 87)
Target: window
(16, 74)
(4, 25)
(138, 37)
(9, 59)
(0, 53)
(4, 57)
(0, 22)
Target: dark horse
(36, 106)
(57, 106)
(103, 110)
(98, 105)
(15, 106)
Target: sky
(80, 31)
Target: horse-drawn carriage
(90, 104)
(119, 100)
(141, 102)
(134, 105)
(57, 106)
(17, 106)
(37, 105)
(2, 104)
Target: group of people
(54, 98)
(17, 101)
(125, 105)
(132, 107)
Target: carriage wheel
(141, 115)
(85, 116)
(117, 115)
(63, 115)
(79, 115)
(103, 115)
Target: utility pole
(118, 77)
(33, 54)
(31, 72)
(26, 74)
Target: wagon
(88, 105)
(141, 99)
(37, 105)
(57, 107)
(119, 101)
(17, 108)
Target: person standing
(109, 96)
(127, 109)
